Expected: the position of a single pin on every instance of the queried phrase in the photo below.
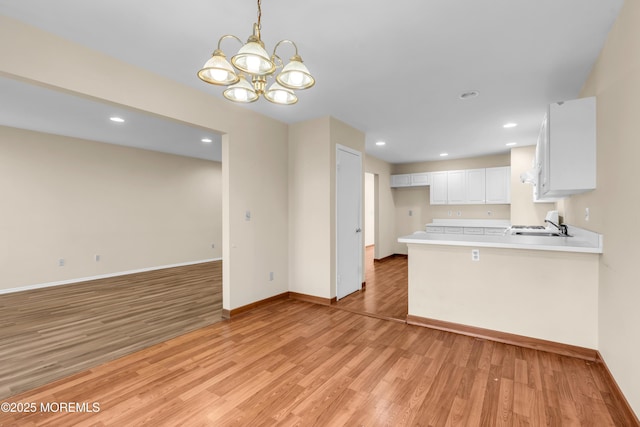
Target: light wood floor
(386, 292)
(296, 363)
(47, 334)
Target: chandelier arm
(277, 61)
(228, 36)
(285, 41)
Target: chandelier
(254, 61)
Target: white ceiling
(27, 106)
(392, 69)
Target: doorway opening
(385, 294)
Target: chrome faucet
(562, 228)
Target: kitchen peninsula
(528, 287)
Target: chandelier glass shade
(253, 62)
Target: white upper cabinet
(566, 151)
(456, 187)
(420, 179)
(498, 189)
(438, 192)
(410, 180)
(475, 186)
(462, 187)
(466, 187)
(403, 180)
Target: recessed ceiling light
(381, 143)
(117, 119)
(511, 144)
(509, 125)
(469, 94)
(207, 140)
(444, 154)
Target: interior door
(348, 221)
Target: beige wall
(614, 205)
(74, 199)
(412, 212)
(384, 207)
(312, 207)
(541, 294)
(347, 136)
(255, 168)
(523, 210)
(254, 152)
(369, 209)
(491, 161)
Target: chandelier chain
(259, 14)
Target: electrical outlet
(213, 245)
(488, 213)
(61, 262)
(410, 212)
(459, 213)
(475, 254)
(449, 213)
(587, 214)
(97, 257)
(271, 276)
(247, 216)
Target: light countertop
(581, 240)
(486, 223)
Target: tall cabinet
(566, 150)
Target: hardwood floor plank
(473, 411)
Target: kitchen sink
(537, 233)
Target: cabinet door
(475, 186)
(571, 148)
(542, 158)
(438, 191)
(403, 180)
(419, 179)
(498, 185)
(456, 187)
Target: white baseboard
(102, 276)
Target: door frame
(357, 153)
